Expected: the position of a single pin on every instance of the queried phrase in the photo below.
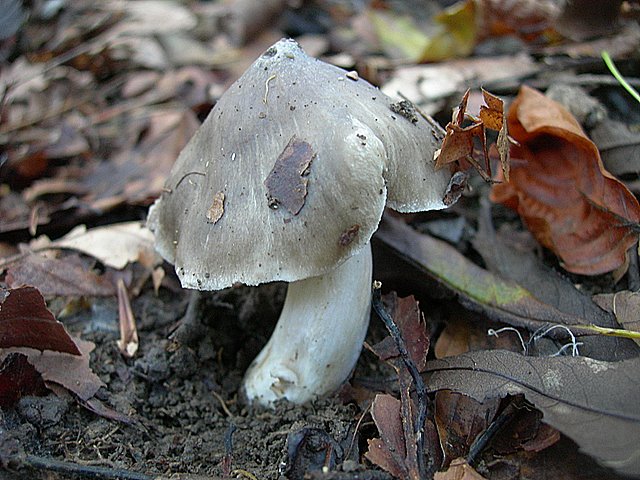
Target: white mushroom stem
(318, 338)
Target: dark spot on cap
(349, 235)
(271, 52)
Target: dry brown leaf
(70, 371)
(460, 419)
(460, 140)
(459, 470)
(561, 190)
(128, 342)
(388, 451)
(55, 277)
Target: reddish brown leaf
(388, 451)
(460, 419)
(407, 316)
(17, 379)
(561, 190)
(457, 144)
(25, 321)
(57, 368)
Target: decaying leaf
(459, 140)
(114, 245)
(402, 423)
(128, 342)
(70, 371)
(500, 299)
(287, 181)
(492, 117)
(561, 190)
(388, 451)
(409, 319)
(459, 469)
(460, 419)
(52, 276)
(595, 403)
(17, 379)
(25, 321)
(625, 305)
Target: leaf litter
(89, 131)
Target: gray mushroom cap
(290, 173)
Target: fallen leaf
(388, 451)
(588, 400)
(17, 379)
(492, 115)
(460, 419)
(114, 245)
(625, 305)
(561, 190)
(459, 141)
(500, 299)
(25, 321)
(458, 470)
(71, 371)
(287, 182)
(619, 147)
(405, 350)
(409, 319)
(512, 255)
(429, 86)
(529, 20)
(55, 277)
(128, 342)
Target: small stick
(227, 460)
(82, 471)
(421, 389)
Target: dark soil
(186, 415)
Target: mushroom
(287, 180)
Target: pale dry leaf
(114, 245)
(459, 469)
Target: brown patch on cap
(349, 235)
(456, 187)
(216, 210)
(287, 183)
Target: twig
(421, 389)
(82, 471)
(227, 460)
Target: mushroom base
(318, 337)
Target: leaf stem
(618, 76)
